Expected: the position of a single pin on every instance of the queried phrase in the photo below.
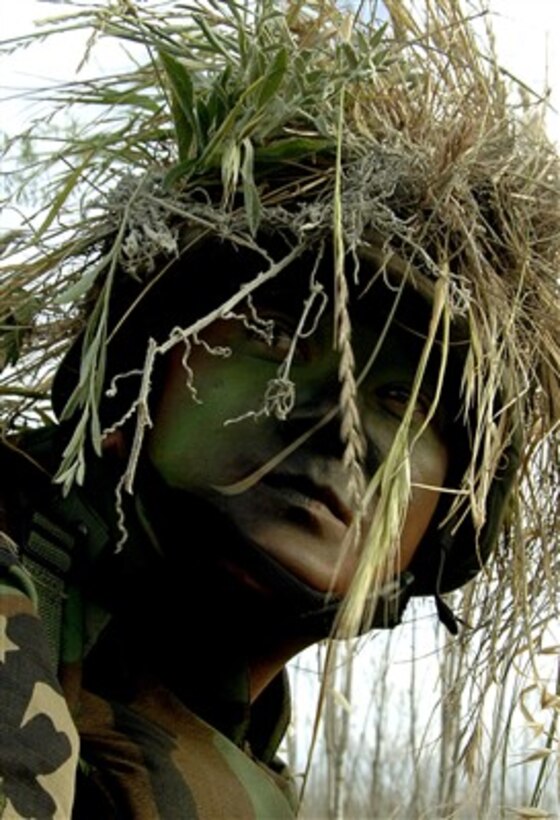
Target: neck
(268, 661)
(237, 632)
(224, 603)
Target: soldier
(303, 387)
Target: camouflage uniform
(106, 737)
(38, 740)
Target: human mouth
(302, 491)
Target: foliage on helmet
(397, 139)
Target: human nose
(317, 397)
(318, 384)
(320, 412)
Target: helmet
(392, 150)
(453, 550)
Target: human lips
(300, 516)
(302, 491)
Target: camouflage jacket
(87, 728)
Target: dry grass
(402, 143)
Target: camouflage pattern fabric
(38, 739)
(66, 751)
(152, 758)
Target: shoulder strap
(54, 533)
(47, 556)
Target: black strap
(47, 556)
(58, 537)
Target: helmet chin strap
(301, 609)
(294, 607)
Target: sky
(528, 44)
(527, 35)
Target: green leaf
(180, 82)
(177, 172)
(183, 104)
(378, 37)
(350, 55)
(291, 148)
(250, 192)
(10, 348)
(15, 324)
(216, 44)
(59, 200)
(183, 129)
(231, 157)
(234, 124)
(81, 287)
(273, 78)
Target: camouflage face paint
(301, 510)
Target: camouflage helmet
(380, 139)
(451, 553)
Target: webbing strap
(48, 558)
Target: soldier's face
(301, 509)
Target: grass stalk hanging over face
(178, 336)
(351, 427)
(390, 488)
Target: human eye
(395, 398)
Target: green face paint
(300, 511)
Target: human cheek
(380, 429)
(429, 464)
(200, 437)
(428, 467)
(183, 444)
